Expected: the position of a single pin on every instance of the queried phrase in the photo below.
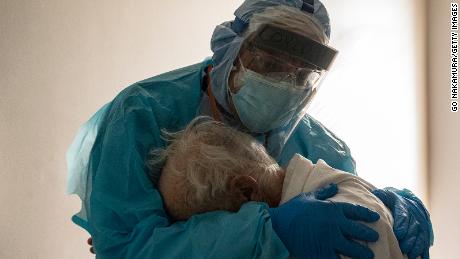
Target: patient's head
(210, 166)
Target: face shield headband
(274, 39)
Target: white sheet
(304, 176)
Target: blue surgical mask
(263, 104)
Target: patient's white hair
(199, 162)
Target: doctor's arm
(245, 234)
(412, 225)
(126, 212)
(300, 223)
(128, 220)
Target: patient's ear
(244, 187)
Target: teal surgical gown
(122, 209)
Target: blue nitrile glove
(312, 228)
(412, 225)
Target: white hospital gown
(304, 176)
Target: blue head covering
(228, 37)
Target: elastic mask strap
(212, 99)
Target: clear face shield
(276, 75)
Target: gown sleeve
(124, 210)
(314, 141)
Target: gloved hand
(412, 225)
(312, 228)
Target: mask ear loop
(230, 94)
(212, 99)
(236, 72)
(242, 67)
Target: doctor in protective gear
(267, 65)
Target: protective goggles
(278, 69)
(286, 57)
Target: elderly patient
(210, 166)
